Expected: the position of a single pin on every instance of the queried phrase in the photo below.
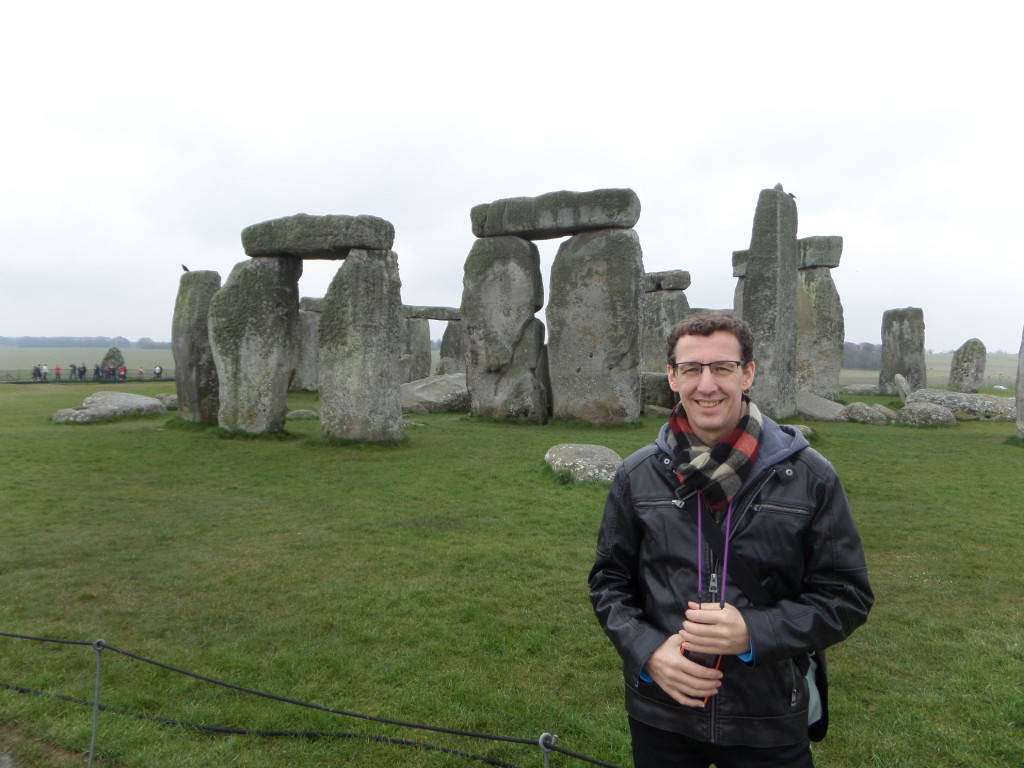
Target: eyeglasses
(720, 369)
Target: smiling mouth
(706, 403)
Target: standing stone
(360, 343)
(820, 330)
(663, 305)
(505, 356)
(768, 301)
(1020, 390)
(416, 358)
(594, 316)
(252, 325)
(195, 374)
(307, 369)
(453, 349)
(967, 370)
(902, 349)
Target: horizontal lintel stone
(820, 251)
(557, 214)
(671, 280)
(447, 314)
(318, 237)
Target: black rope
(101, 644)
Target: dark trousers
(655, 748)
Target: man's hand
(710, 628)
(684, 680)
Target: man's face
(713, 405)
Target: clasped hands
(708, 628)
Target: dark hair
(708, 321)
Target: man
(714, 663)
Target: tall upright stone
(902, 349)
(307, 365)
(594, 316)
(252, 324)
(360, 338)
(453, 348)
(768, 300)
(1020, 390)
(663, 305)
(967, 369)
(505, 355)
(195, 373)
(416, 358)
(820, 330)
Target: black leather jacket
(792, 525)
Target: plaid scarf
(717, 472)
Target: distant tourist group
(41, 372)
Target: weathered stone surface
(861, 389)
(926, 415)
(311, 303)
(594, 316)
(113, 358)
(252, 325)
(654, 390)
(820, 251)
(902, 349)
(557, 214)
(317, 237)
(416, 358)
(812, 406)
(170, 401)
(862, 413)
(1020, 390)
(969, 407)
(360, 343)
(307, 368)
(901, 387)
(585, 463)
(505, 356)
(444, 314)
(672, 280)
(436, 394)
(820, 332)
(103, 406)
(195, 373)
(660, 311)
(766, 298)
(453, 349)
(967, 370)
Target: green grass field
(443, 582)
(16, 362)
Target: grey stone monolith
(505, 355)
(556, 214)
(252, 324)
(663, 304)
(767, 301)
(967, 369)
(416, 359)
(1019, 398)
(902, 349)
(317, 237)
(593, 313)
(195, 373)
(360, 344)
(453, 349)
(307, 370)
(820, 330)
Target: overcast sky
(139, 136)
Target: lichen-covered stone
(252, 324)
(767, 299)
(660, 311)
(967, 369)
(360, 345)
(317, 237)
(902, 349)
(307, 350)
(594, 317)
(670, 280)
(103, 406)
(557, 214)
(195, 372)
(820, 251)
(505, 356)
(820, 333)
(584, 462)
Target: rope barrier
(547, 742)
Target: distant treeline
(82, 341)
(862, 357)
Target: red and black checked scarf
(717, 472)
